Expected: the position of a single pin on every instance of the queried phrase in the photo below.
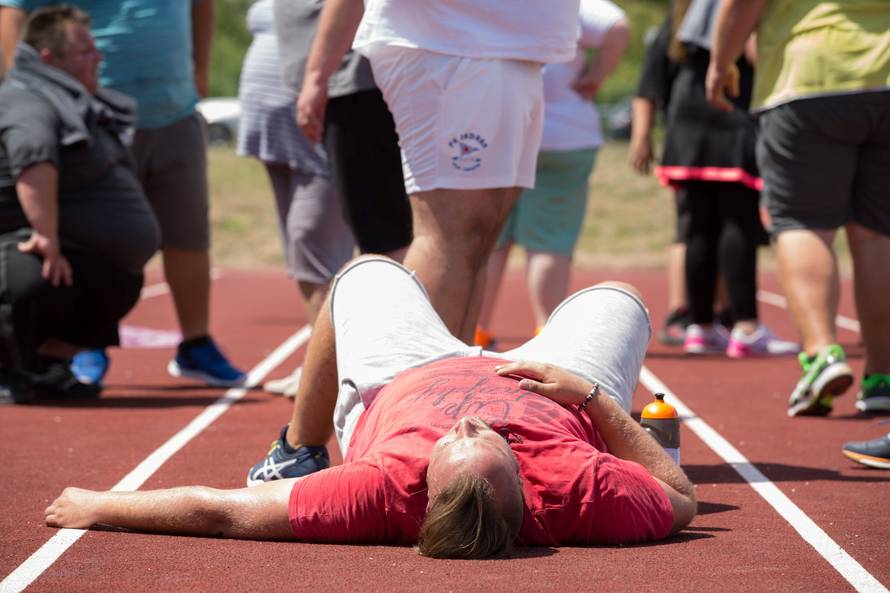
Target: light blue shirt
(147, 48)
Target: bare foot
(75, 508)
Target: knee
(629, 288)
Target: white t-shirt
(572, 122)
(535, 30)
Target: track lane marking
(155, 290)
(52, 550)
(777, 300)
(853, 572)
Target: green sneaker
(874, 393)
(825, 376)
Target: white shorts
(384, 324)
(463, 123)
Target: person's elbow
(685, 509)
(619, 34)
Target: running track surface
(780, 508)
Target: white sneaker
(699, 340)
(763, 342)
(286, 386)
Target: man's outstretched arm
(259, 512)
(623, 436)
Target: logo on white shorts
(469, 147)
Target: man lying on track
(457, 451)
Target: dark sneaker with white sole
(874, 453)
(58, 382)
(283, 461)
(90, 366)
(874, 393)
(825, 376)
(16, 387)
(200, 359)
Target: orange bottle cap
(659, 409)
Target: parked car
(617, 119)
(221, 115)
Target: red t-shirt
(575, 492)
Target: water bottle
(661, 420)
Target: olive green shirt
(809, 48)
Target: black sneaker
(674, 331)
(58, 382)
(283, 461)
(16, 387)
(874, 453)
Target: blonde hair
(463, 521)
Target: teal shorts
(548, 218)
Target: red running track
(804, 519)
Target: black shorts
(366, 165)
(825, 161)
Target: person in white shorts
(463, 81)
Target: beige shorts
(463, 123)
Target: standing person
(463, 81)
(314, 236)
(462, 454)
(75, 227)
(709, 158)
(822, 97)
(652, 96)
(547, 220)
(158, 51)
(359, 135)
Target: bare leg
(312, 419)
(313, 296)
(497, 263)
(676, 276)
(454, 232)
(871, 253)
(188, 274)
(259, 512)
(809, 275)
(548, 282)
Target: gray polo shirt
(102, 208)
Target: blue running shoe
(90, 366)
(283, 461)
(200, 359)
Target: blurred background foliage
(232, 38)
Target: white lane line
(837, 557)
(777, 300)
(160, 288)
(63, 539)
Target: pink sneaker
(762, 342)
(699, 340)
